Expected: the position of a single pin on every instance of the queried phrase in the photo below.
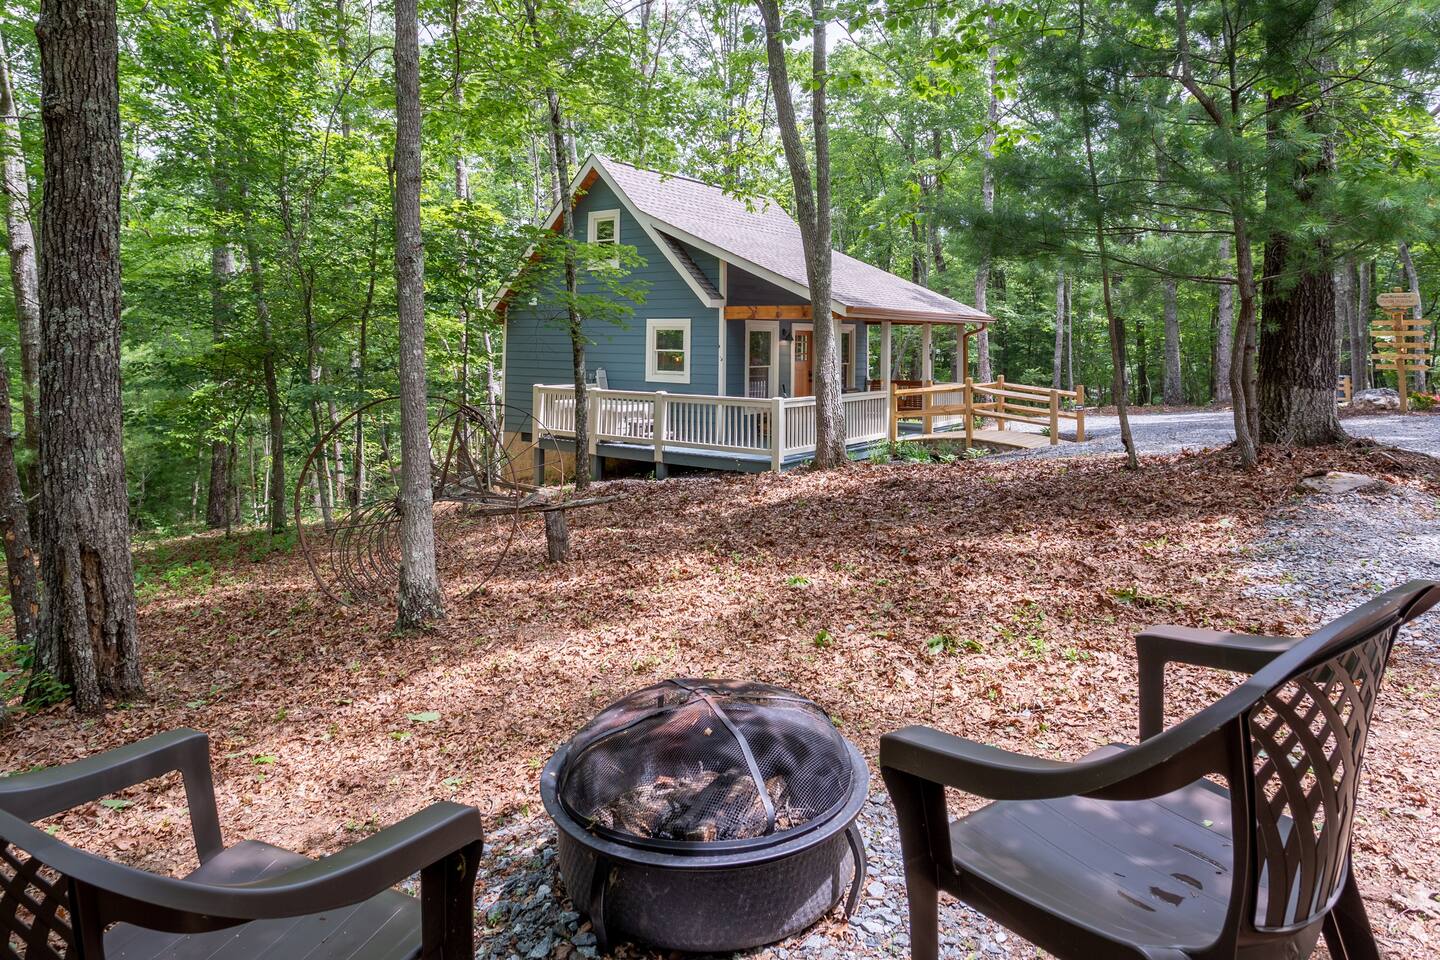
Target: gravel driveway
(1159, 433)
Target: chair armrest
(44, 793)
(348, 877)
(1158, 766)
(1157, 646)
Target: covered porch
(772, 349)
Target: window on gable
(605, 232)
(667, 350)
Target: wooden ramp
(1012, 439)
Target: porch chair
(1135, 851)
(250, 900)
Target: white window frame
(598, 217)
(773, 328)
(653, 326)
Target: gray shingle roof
(758, 232)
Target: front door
(804, 363)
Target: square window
(604, 231)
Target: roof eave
(917, 316)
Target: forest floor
(1028, 576)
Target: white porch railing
(777, 427)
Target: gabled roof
(757, 235)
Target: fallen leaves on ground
(994, 599)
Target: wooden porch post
(777, 433)
(1000, 402)
(893, 431)
(659, 427)
(969, 413)
(927, 358)
(965, 352)
(885, 355)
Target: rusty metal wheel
(481, 486)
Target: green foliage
(17, 682)
(944, 643)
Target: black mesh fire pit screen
(700, 762)
(707, 815)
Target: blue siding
(538, 346)
(735, 358)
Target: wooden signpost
(1401, 343)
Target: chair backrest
(1307, 737)
(35, 908)
(602, 379)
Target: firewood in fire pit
(703, 807)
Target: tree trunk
(1142, 364)
(1245, 415)
(222, 270)
(1412, 278)
(1069, 334)
(1115, 324)
(314, 374)
(88, 631)
(557, 537)
(560, 150)
(1224, 327)
(1058, 360)
(275, 411)
(15, 529)
(1360, 328)
(420, 599)
(1298, 354)
(812, 206)
(1174, 385)
(358, 462)
(987, 198)
(24, 275)
(1342, 280)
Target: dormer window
(605, 231)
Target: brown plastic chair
(1135, 851)
(247, 901)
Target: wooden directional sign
(1398, 300)
(1401, 342)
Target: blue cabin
(714, 367)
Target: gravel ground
(1330, 553)
(525, 914)
(1160, 433)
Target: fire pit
(707, 815)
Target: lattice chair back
(35, 916)
(1308, 741)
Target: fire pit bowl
(707, 816)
